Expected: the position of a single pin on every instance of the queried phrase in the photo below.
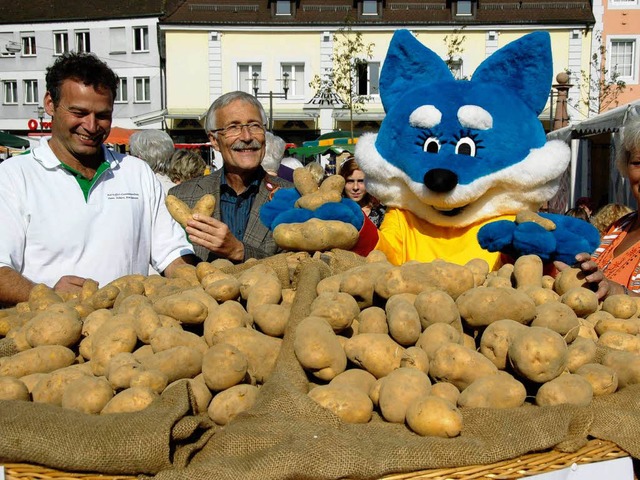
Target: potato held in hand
(181, 212)
(315, 235)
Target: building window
(143, 90)
(623, 3)
(455, 66)
(622, 58)
(368, 81)
(30, 91)
(122, 95)
(83, 42)
(369, 7)
(10, 88)
(117, 40)
(283, 7)
(29, 45)
(60, 43)
(464, 8)
(296, 78)
(245, 76)
(140, 39)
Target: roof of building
(394, 13)
(43, 11)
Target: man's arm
(183, 260)
(14, 288)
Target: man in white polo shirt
(73, 209)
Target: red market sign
(34, 125)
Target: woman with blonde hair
(186, 164)
(607, 214)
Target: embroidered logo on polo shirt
(123, 196)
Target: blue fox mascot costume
(456, 160)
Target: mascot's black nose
(440, 180)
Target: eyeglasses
(234, 130)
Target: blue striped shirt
(234, 208)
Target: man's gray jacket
(258, 240)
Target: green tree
(349, 59)
(454, 43)
(600, 87)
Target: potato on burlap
(221, 286)
(541, 295)
(479, 269)
(318, 349)
(620, 341)
(348, 403)
(415, 357)
(226, 405)
(42, 296)
(175, 363)
(608, 322)
(109, 340)
(494, 391)
(603, 380)
(58, 324)
(566, 389)
(51, 388)
(373, 320)
(42, 359)
(437, 306)
(580, 352)
(436, 335)
(399, 389)
(625, 364)
(569, 278)
(12, 388)
(87, 394)
(165, 338)
(95, 320)
(261, 350)
(496, 339)
(620, 306)
(377, 353)
(558, 317)
(481, 306)
(446, 390)
(272, 319)
(183, 308)
(337, 308)
(434, 416)
(403, 320)
(527, 271)
(359, 281)
(224, 366)
(228, 315)
(355, 377)
(153, 379)
(132, 399)
(459, 365)
(582, 301)
(538, 354)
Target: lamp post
(271, 95)
(41, 116)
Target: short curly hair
(82, 67)
(186, 164)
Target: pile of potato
(115, 349)
(418, 341)
(414, 342)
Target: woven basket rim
(595, 450)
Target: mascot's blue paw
(570, 237)
(281, 209)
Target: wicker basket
(524, 466)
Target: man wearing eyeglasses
(235, 125)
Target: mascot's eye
(431, 145)
(466, 146)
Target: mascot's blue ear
(524, 66)
(409, 63)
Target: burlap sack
(287, 435)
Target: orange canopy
(120, 136)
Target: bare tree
(349, 61)
(600, 87)
(454, 43)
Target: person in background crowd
(356, 190)
(274, 148)
(607, 214)
(235, 125)
(579, 212)
(287, 166)
(614, 267)
(72, 209)
(186, 164)
(156, 148)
